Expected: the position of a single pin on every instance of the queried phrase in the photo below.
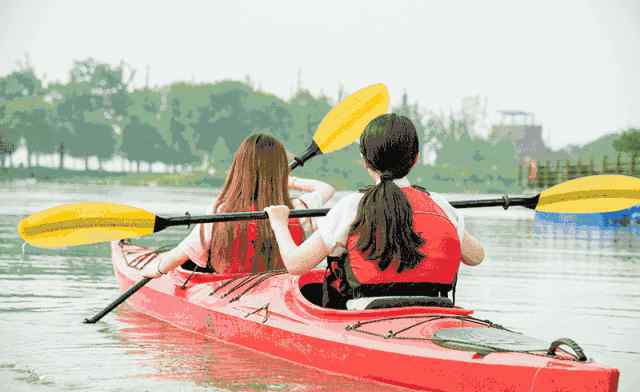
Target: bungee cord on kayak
(255, 280)
(253, 285)
(503, 342)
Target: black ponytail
(384, 223)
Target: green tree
(31, 115)
(141, 142)
(225, 115)
(221, 156)
(413, 112)
(93, 102)
(628, 142)
(306, 113)
(23, 112)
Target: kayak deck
(270, 313)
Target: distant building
(521, 128)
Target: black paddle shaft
(123, 297)
(162, 223)
(504, 202)
(311, 152)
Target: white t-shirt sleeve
(334, 228)
(454, 216)
(196, 244)
(311, 200)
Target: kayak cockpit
(309, 296)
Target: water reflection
(174, 354)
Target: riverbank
(97, 177)
(427, 177)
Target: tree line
(98, 113)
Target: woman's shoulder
(347, 202)
(350, 198)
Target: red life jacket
(249, 263)
(441, 247)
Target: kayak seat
(312, 292)
(397, 302)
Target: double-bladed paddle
(88, 223)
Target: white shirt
(334, 228)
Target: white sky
(575, 64)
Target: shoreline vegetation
(99, 121)
(97, 177)
(203, 179)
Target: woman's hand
(278, 215)
(153, 269)
(325, 190)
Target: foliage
(628, 142)
(89, 106)
(96, 113)
(221, 156)
(306, 113)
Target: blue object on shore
(622, 218)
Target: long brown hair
(258, 178)
(384, 223)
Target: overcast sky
(575, 64)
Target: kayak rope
(254, 279)
(225, 284)
(423, 319)
(264, 307)
(578, 354)
(141, 260)
(256, 283)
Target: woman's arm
(297, 259)
(164, 263)
(325, 190)
(472, 250)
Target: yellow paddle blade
(602, 193)
(346, 121)
(85, 223)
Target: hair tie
(386, 176)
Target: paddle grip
(123, 297)
(311, 152)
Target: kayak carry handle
(579, 353)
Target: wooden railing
(544, 174)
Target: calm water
(542, 280)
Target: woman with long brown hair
(393, 239)
(258, 177)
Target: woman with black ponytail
(391, 240)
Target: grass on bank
(65, 176)
(433, 179)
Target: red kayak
(419, 343)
